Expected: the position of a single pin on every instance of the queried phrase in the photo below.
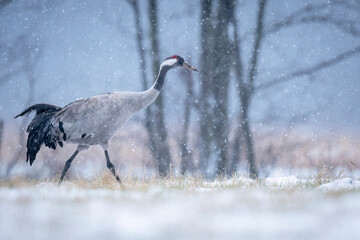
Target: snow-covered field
(239, 208)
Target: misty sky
(88, 48)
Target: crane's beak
(190, 67)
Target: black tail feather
(39, 108)
(40, 129)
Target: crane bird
(90, 121)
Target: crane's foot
(118, 179)
(111, 166)
(112, 170)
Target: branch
(139, 41)
(257, 44)
(239, 65)
(346, 25)
(35, 6)
(310, 70)
(314, 13)
(292, 19)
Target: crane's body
(112, 110)
(90, 121)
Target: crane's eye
(180, 60)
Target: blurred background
(277, 92)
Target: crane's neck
(159, 82)
(141, 100)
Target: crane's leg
(111, 166)
(68, 165)
(68, 162)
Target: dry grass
(188, 184)
(106, 181)
(301, 149)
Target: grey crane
(90, 121)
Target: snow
(290, 181)
(345, 184)
(230, 209)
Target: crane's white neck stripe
(168, 62)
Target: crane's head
(176, 61)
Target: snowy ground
(240, 208)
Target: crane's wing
(83, 117)
(102, 115)
(98, 115)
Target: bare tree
(29, 68)
(247, 86)
(140, 42)
(22, 56)
(141, 51)
(222, 68)
(154, 115)
(206, 79)
(186, 156)
(158, 138)
(186, 163)
(240, 82)
(214, 88)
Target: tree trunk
(186, 163)
(206, 74)
(239, 78)
(159, 139)
(250, 151)
(221, 84)
(236, 150)
(247, 90)
(215, 78)
(141, 50)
